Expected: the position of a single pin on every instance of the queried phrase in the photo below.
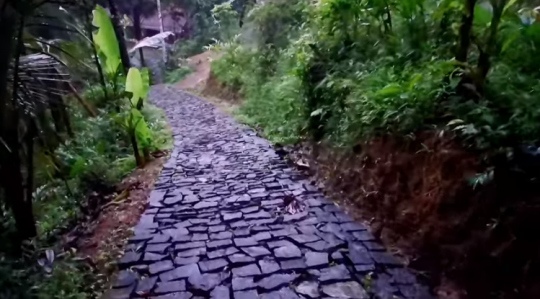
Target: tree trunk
(162, 29)
(124, 56)
(484, 60)
(137, 30)
(136, 153)
(96, 58)
(465, 31)
(10, 160)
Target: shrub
(177, 74)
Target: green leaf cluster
(345, 70)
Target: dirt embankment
(472, 241)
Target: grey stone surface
(295, 264)
(125, 278)
(145, 285)
(334, 273)
(249, 270)
(121, 293)
(284, 293)
(269, 265)
(276, 280)
(243, 283)
(308, 288)
(180, 272)
(250, 241)
(212, 265)
(240, 258)
(350, 289)
(159, 267)
(255, 251)
(180, 261)
(170, 287)
(207, 282)
(218, 210)
(290, 251)
(314, 259)
(251, 294)
(220, 292)
(192, 252)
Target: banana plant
(137, 83)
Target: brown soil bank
(485, 238)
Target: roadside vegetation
(74, 122)
(424, 113)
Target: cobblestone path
(216, 227)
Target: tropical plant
(137, 83)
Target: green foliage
(177, 74)
(347, 70)
(23, 278)
(226, 18)
(134, 84)
(105, 40)
(64, 180)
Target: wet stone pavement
(216, 227)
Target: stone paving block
(251, 294)
(145, 285)
(350, 289)
(222, 252)
(240, 258)
(296, 264)
(284, 293)
(170, 287)
(290, 251)
(241, 242)
(314, 259)
(212, 265)
(276, 280)
(192, 252)
(218, 244)
(255, 251)
(249, 270)
(269, 265)
(207, 282)
(125, 278)
(243, 283)
(180, 272)
(220, 292)
(159, 267)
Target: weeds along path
(229, 219)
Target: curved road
(216, 225)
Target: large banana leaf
(105, 40)
(138, 85)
